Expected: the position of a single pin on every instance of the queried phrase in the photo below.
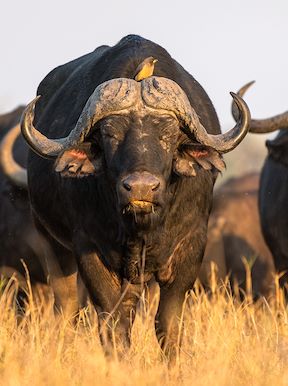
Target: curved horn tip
(30, 107)
(236, 98)
(240, 102)
(33, 102)
(249, 83)
(244, 88)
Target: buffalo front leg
(63, 279)
(175, 281)
(114, 299)
(169, 321)
(62, 273)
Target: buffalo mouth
(140, 207)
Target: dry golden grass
(226, 342)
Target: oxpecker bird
(145, 68)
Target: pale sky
(222, 43)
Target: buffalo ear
(184, 167)
(78, 162)
(277, 148)
(193, 156)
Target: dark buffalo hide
(234, 233)
(18, 236)
(273, 190)
(273, 198)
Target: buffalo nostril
(155, 186)
(126, 185)
(141, 184)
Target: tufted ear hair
(192, 156)
(79, 162)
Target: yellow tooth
(140, 204)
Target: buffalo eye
(110, 136)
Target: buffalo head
(142, 135)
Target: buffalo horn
(12, 170)
(119, 96)
(262, 126)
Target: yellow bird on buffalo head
(145, 68)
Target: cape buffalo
(234, 232)
(273, 192)
(121, 175)
(18, 237)
(22, 247)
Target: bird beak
(155, 61)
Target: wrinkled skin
(234, 232)
(84, 199)
(273, 196)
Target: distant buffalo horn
(262, 126)
(12, 170)
(120, 96)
